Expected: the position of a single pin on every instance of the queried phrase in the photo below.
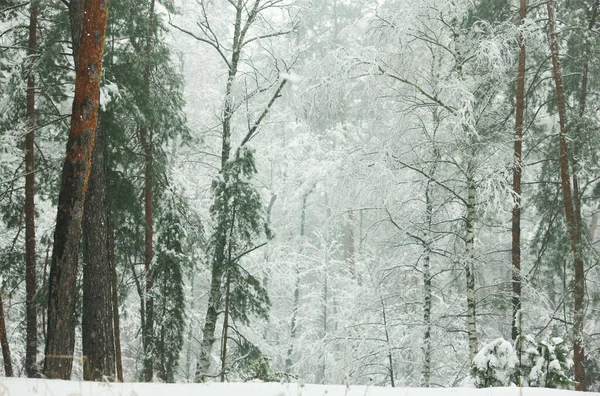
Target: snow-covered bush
(542, 364)
(551, 365)
(494, 365)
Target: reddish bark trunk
(30, 270)
(60, 340)
(571, 208)
(517, 173)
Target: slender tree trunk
(470, 267)
(210, 323)
(469, 224)
(190, 336)
(44, 276)
(76, 19)
(387, 340)
(427, 287)
(147, 144)
(571, 207)
(324, 320)
(60, 340)
(517, 173)
(225, 330)
(30, 263)
(593, 227)
(350, 251)
(97, 319)
(293, 324)
(219, 255)
(8, 369)
(115, 297)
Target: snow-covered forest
(356, 192)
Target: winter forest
(358, 192)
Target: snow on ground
(31, 387)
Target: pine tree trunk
(76, 19)
(148, 331)
(97, 319)
(30, 263)
(571, 208)
(147, 144)
(517, 173)
(8, 369)
(115, 297)
(60, 340)
(470, 267)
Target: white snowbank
(31, 387)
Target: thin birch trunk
(427, 286)
(470, 265)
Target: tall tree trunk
(517, 173)
(427, 285)
(76, 19)
(470, 266)
(147, 144)
(8, 369)
(210, 322)
(30, 264)
(387, 341)
(324, 320)
(571, 208)
(114, 296)
(60, 341)
(219, 254)
(293, 324)
(225, 330)
(469, 221)
(97, 319)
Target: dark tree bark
(115, 298)
(60, 340)
(97, 319)
(76, 19)
(8, 369)
(517, 173)
(30, 270)
(571, 207)
(225, 329)
(146, 140)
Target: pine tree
(62, 282)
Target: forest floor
(27, 387)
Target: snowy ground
(27, 387)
